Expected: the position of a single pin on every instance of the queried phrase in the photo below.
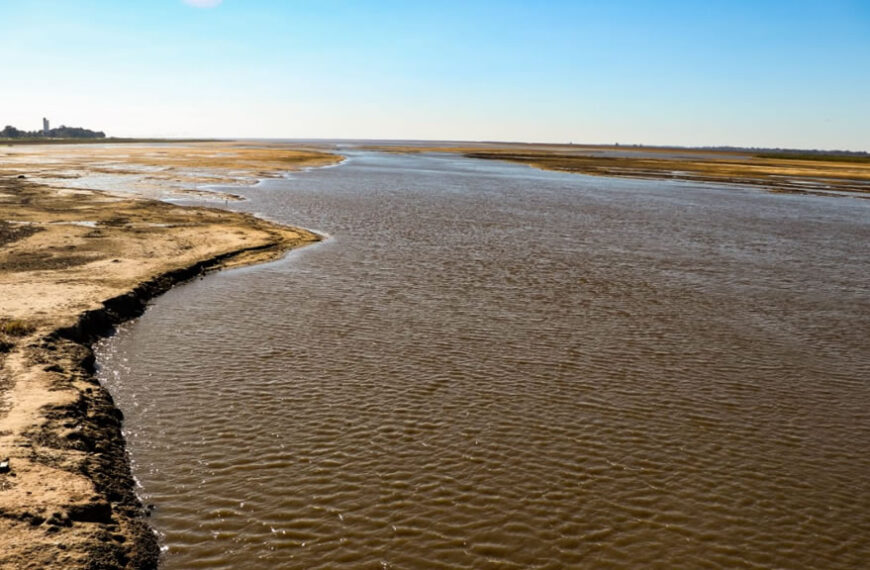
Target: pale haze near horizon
(764, 74)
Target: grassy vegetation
(816, 156)
(15, 327)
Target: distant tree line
(61, 132)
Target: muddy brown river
(492, 366)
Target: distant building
(45, 127)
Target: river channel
(487, 365)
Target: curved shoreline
(112, 474)
(88, 425)
(73, 265)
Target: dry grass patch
(15, 327)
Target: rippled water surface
(491, 366)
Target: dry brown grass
(15, 327)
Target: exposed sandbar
(776, 172)
(157, 170)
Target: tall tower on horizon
(45, 127)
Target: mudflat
(74, 262)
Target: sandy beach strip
(73, 263)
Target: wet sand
(74, 262)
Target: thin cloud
(203, 3)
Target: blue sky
(750, 73)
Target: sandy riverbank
(157, 169)
(73, 262)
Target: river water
(492, 366)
